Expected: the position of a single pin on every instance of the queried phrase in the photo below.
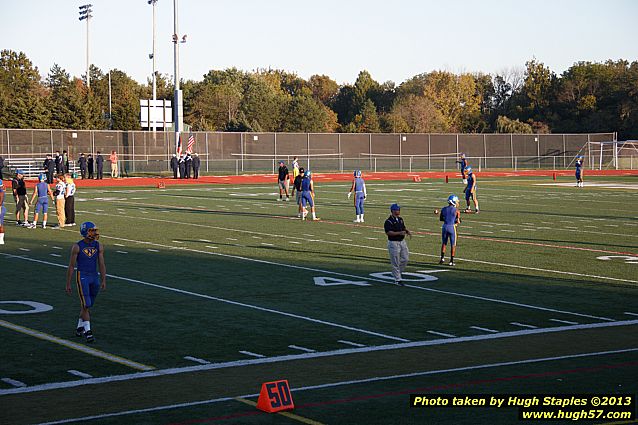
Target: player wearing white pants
(397, 246)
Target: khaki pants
(114, 170)
(399, 255)
(59, 208)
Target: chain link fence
(235, 153)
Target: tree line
(588, 97)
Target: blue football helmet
(395, 207)
(1, 183)
(357, 173)
(86, 227)
(453, 200)
(468, 170)
(308, 173)
(42, 177)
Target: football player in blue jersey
(463, 164)
(579, 171)
(360, 194)
(42, 192)
(308, 196)
(470, 190)
(88, 256)
(450, 216)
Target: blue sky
(393, 40)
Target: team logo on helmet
(468, 170)
(453, 200)
(357, 173)
(86, 227)
(42, 177)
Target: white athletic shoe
(356, 221)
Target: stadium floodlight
(152, 57)
(85, 13)
(178, 108)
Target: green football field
(214, 290)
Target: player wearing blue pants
(463, 164)
(3, 211)
(308, 196)
(88, 256)
(450, 216)
(42, 191)
(470, 190)
(579, 171)
(360, 194)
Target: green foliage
(588, 97)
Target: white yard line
(13, 382)
(441, 334)
(196, 360)
(249, 353)
(566, 322)
(122, 252)
(80, 374)
(354, 344)
(631, 314)
(478, 328)
(344, 351)
(55, 255)
(307, 350)
(523, 325)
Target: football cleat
(79, 331)
(89, 337)
(452, 263)
(441, 261)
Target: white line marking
(152, 250)
(441, 334)
(80, 374)
(333, 234)
(295, 242)
(74, 346)
(372, 239)
(267, 244)
(524, 325)
(567, 322)
(212, 247)
(118, 244)
(631, 314)
(174, 241)
(17, 384)
(478, 328)
(24, 249)
(343, 383)
(204, 240)
(356, 344)
(223, 300)
(55, 255)
(257, 237)
(122, 252)
(307, 350)
(249, 353)
(347, 240)
(231, 239)
(56, 247)
(196, 360)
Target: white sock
(80, 323)
(87, 326)
(1, 238)
(314, 216)
(361, 217)
(44, 224)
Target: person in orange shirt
(114, 166)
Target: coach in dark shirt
(397, 246)
(82, 164)
(99, 162)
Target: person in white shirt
(59, 192)
(69, 201)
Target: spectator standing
(99, 162)
(82, 164)
(1, 167)
(59, 165)
(296, 190)
(114, 165)
(65, 160)
(174, 165)
(49, 167)
(20, 196)
(69, 201)
(60, 190)
(196, 164)
(89, 165)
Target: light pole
(152, 56)
(85, 13)
(177, 100)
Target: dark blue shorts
(306, 197)
(448, 233)
(42, 205)
(88, 287)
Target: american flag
(191, 143)
(178, 147)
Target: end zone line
(74, 346)
(319, 354)
(344, 383)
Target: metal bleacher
(31, 166)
